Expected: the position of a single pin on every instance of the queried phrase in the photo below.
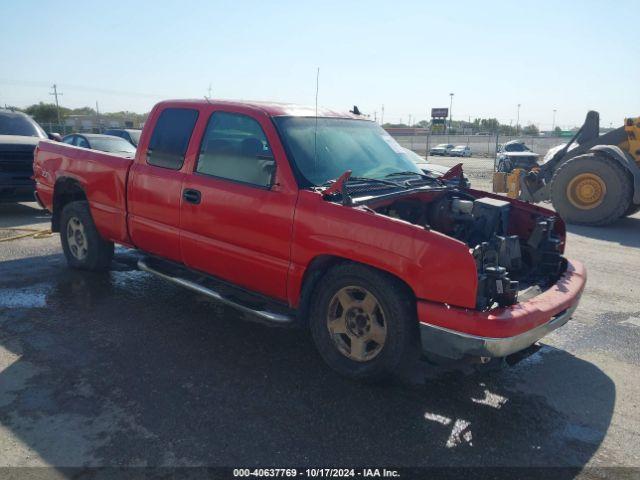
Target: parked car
(460, 151)
(437, 171)
(19, 135)
(104, 143)
(442, 149)
(316, 218)
(129, 134)
(515, 154)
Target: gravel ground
(122, 369)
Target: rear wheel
(591, 190)
(363, 322)
(83, 246)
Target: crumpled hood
(552, 151)
(521, 154)
(438, 169)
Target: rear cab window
(170, 137)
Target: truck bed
(103, 176)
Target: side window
(235, 147)
(70, 139)
(170, 137)
(82, 142)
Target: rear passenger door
(236, 218)
(155, 184)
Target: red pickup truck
(315, 217)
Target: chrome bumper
(456, 345)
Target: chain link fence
(54, 127)
(481, 165)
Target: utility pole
(553, 125)
(55, 93)
(409, 120)
(382, 116)
(209, 90)
(518, 122)
(375, 116)
(98, 117)
(450, 109)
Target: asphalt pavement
(122, 369)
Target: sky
(409, 56)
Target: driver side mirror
(56, 137)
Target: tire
(83, 246)
(395, 310)
(632, 210)
(611, 180)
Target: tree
(422, 124)
(45, 112)
(530, 130)
(508, 130)
(83, 111)
(557, 130)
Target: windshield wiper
(364, 180)
(374, 180)
(423, 176)
(407, 173)
(340, 186)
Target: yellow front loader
(592, 180)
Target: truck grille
(16, 162)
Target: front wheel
(632, 210)
(591, 190)
(363, 322)
(82, 244)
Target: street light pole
(518, 122)
(553, 125)
(450, 109)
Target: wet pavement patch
(28, 297)
(124, 369)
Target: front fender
(614, 152)
(435, 267)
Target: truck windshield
(516, 147)
(18, 124)
(336, 145)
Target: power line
(83, 88)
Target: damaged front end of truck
(526, 288)
(517, 248)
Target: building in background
(97, 124)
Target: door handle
(192, 196)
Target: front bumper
(457, 332)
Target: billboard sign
(439, 112)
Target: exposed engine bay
(517, 256)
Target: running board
(217, 290)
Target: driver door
(236, 218)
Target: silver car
(442, 149)
(460, 151)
